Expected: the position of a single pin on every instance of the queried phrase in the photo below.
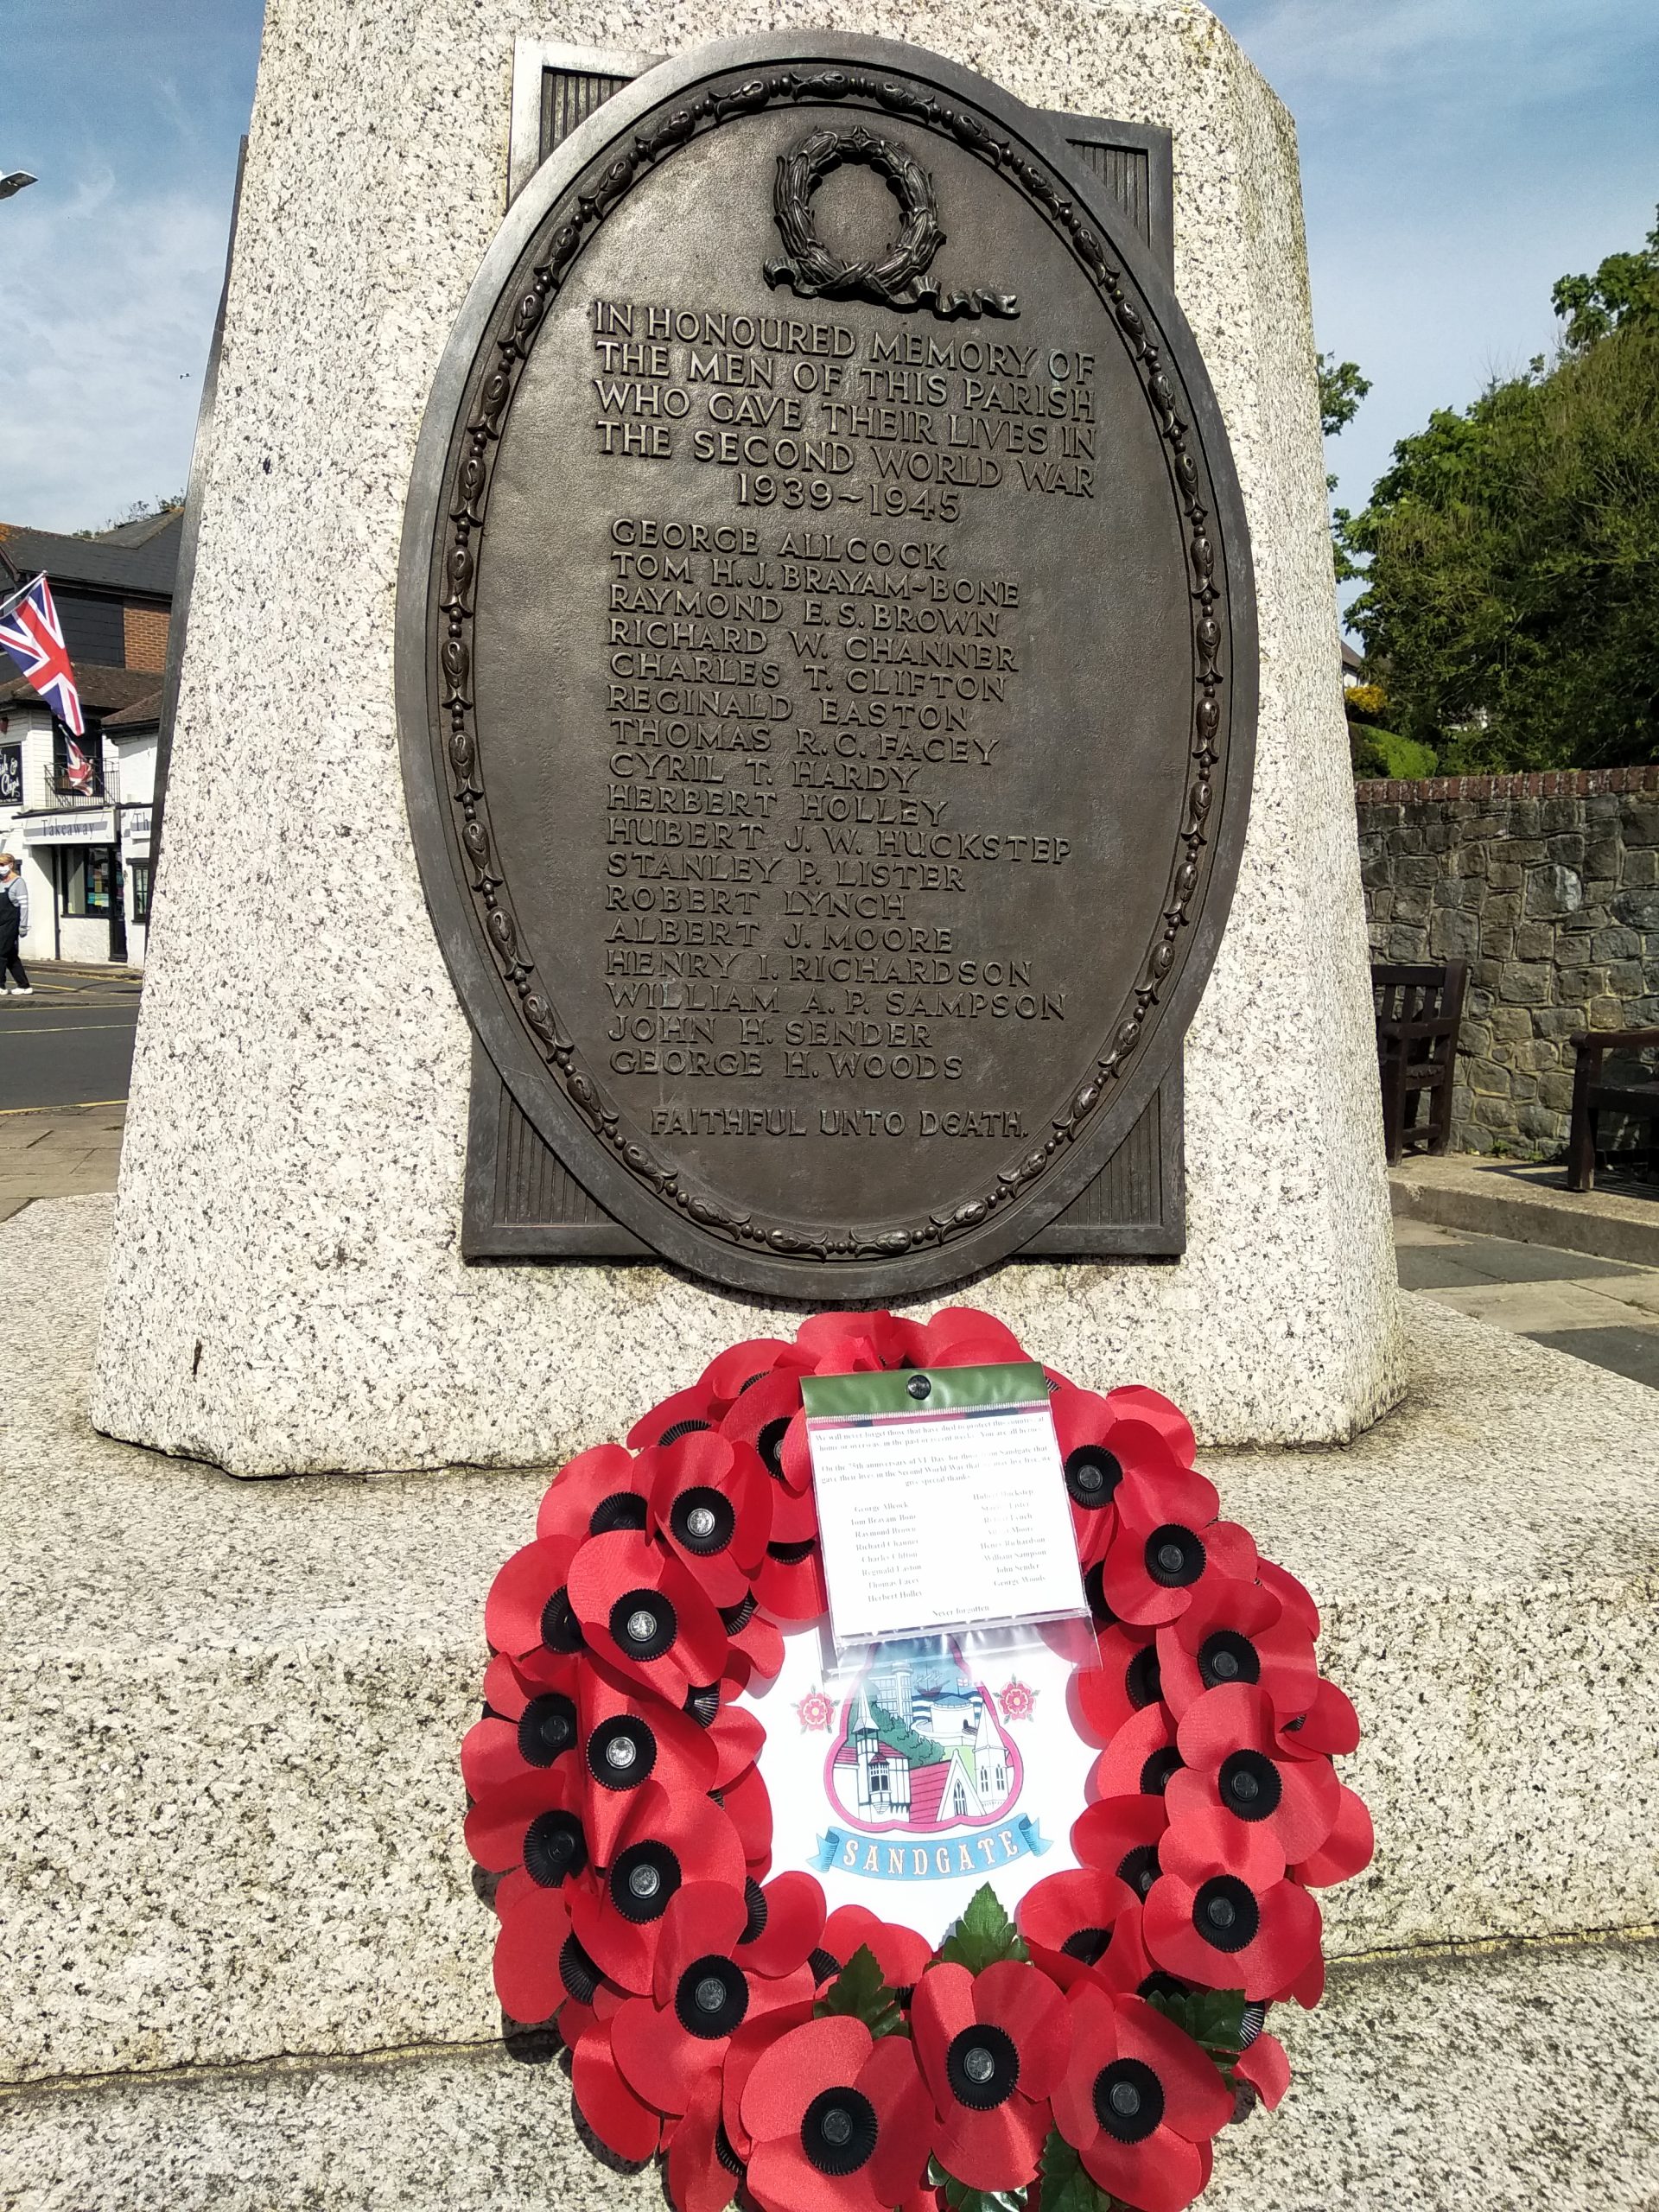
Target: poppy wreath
(1080, 2057)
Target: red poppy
(784, 1924)
(1237, 1632)
(535, 1823)
(754, 1644)
(853, 1343)
(1290, 1594)
(1121, 1835)
(748, 2047)
(739, 1738)
(1141, 1758)
(1329, 1725)
(683, 1414)
(1233, 1762)
(1083, 1422)
(790, 1582)
(1346, 1851)
(712, 1502)
(1222, 1912)
(529, 1607)
(960, 1336)
(530, 1721)
(1140, 2101)
(1070, 1916)
(900, 1952)
(748, 1808)
(1128, 1678)
(991, 2046)
(599, 1490)
(529, 1944)
(623, 2121)
(701, 1992)
(837, 2121)
(641, 1610)
(664, 1842)
(1103, 1440)
(739, 1367)
(1165, 1549)
(1263, 2064)
(703, 2169)
(629, 1738)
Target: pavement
(58, 1152)
(72, 1041)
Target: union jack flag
(32, 634)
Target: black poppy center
(1160, 1985)
(1142, 1681)
(756, 1908)
(623, 1509)
(1226, 1914)
(823, 1964)
(1174, 1556)
(1087, 1944)
(770, 1445)
(555, 1848)
(703, 1520)
(675, 1430)
(1140, 1868)
(724, 2153)
(1227, 1656)
(838, 2131)
(547, 1729)
(1128, 2100)
(703, 1705)
(643, 1624)
(1092, 1474)
(1094, 1589)
(712, 1998)
(560, 1630)
(1253, 2019)
(1250, 1785)
(577, 1972)
(643, 1879)
(791, 1555)
(622, 1752)
(735, 1618)
(982, 2067)
(1154, 1775)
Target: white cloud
(111, 305)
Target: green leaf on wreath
(859, 1992)
(960, 2198)
(1214, 2017)
(982, 1936)
(1066, 2184)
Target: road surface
(71, 1045)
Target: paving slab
(230, 1811)
(1516, 1199)
(1513, 2081)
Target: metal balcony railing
(97, 789)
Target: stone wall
(1548, 886)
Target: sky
(1457, 155)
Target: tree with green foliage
(1341, 386)
(1511, 551)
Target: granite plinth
(1514, 2081)
(230, 1809)
(316, 1315)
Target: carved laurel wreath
(512, 338)
(895, 278)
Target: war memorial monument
(776, 580)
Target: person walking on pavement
(14, 923)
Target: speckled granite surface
(1516, 2081)
(229, 1711)
(287, 1290)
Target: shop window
(86, 880)
(141, 891)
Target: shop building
(76, 812)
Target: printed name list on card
(940, 1500)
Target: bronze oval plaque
(826, 666)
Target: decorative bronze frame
(565, 202)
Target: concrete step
(1515, 2081)
(230, 1809)
(1516, 1198)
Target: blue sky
(1458, 156)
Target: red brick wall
(146, 638)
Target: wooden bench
(1418, 1011)
(1594, 1096)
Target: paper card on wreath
(941, 1501)
(932, 1765)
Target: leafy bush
(1380, 752)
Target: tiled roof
(104, 691)
(117, 561)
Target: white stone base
(287, 1292)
